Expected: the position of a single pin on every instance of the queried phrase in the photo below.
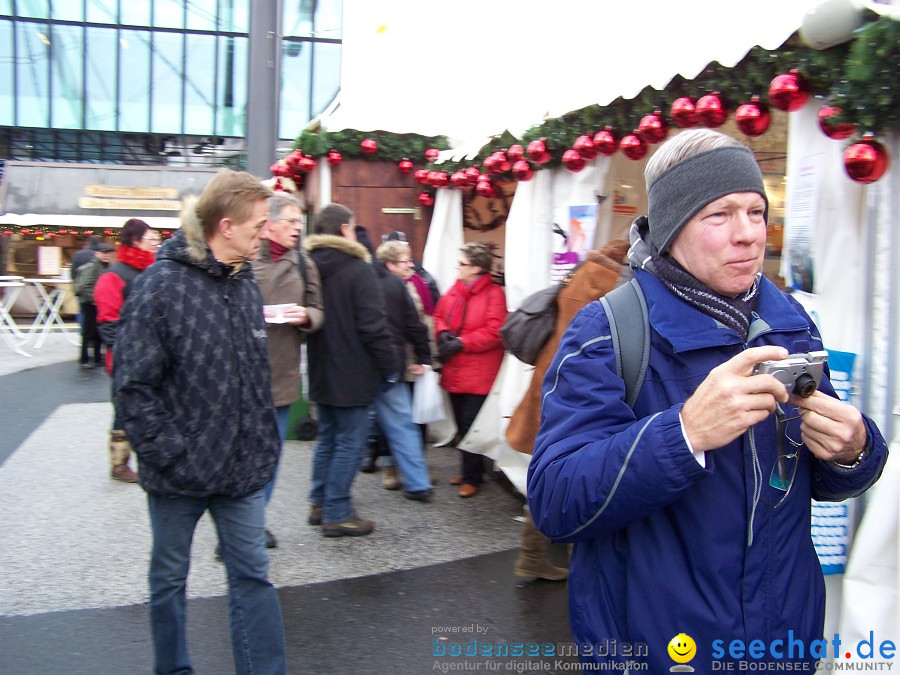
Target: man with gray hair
(690, 511)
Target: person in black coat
(350, 360)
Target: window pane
(295, 89)
(103, 11)
(68, 87)
(326, 75)
(32, 100)
(167, 82)
(67, 10)
(100, 87)
(200, 85)
(201, 15)
(37, 9)
(232, 86)
(134, 80)
(234, 16)
(7, 97)
(136, 13)
(168, 13)
(6, 7)
(329, 14)
(297, 20)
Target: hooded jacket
(354, 350)
(664, 545)
(474, 312)
(281, 282)
(191, 384)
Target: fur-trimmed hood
(348, 246)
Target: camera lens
(804, 386)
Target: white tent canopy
(474, 69)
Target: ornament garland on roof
(855, 82)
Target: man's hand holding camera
(742, 392)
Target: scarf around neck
(733, 312)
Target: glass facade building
(152, 81)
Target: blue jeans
(342, 443)
(257, 629)
(394, 410)
(282, 414)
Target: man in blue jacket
(690, 513)
(191, 386)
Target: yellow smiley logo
(682, 648)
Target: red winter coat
(475, 314)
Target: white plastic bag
(428, 399)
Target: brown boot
(119, 452)
(533, 562)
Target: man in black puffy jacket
(192, 389)
(350, 360)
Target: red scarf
(135, 257)
(276, 250)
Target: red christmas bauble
(335, 158)
(431, 154)
(501, 163)
(605, 142)
(683, 112)
(633, 146)
(866, 160)
(653, 128)
(293, 160)
(711, 110)
(584, 146)
(368, 146)
(485, 188)
(753, 118)
(537, 151)
(404, 165)
(425, 199)
(515, 153)
(421, 176)
(438, 179)
(280, 170)
(459, 180)
(838, 130)
(522, 170)
(307, 163)
(472, 173)
(573, 161)
(789, 92)
(488, 163)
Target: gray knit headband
(685, 188)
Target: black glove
(448, 346)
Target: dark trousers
(465, 410)
(90, 337)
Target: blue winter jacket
(664, 545)
(191, 381)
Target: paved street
(74, 547)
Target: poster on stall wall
(571, 247)
(49, 261)
(798, 263)
(831, 520)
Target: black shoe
(271, 541)
(418, 495)
(87, 365)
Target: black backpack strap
(626, 309)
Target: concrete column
(263, 88)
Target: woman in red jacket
(467, 321)
(137, 250)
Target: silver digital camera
(800, 373)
